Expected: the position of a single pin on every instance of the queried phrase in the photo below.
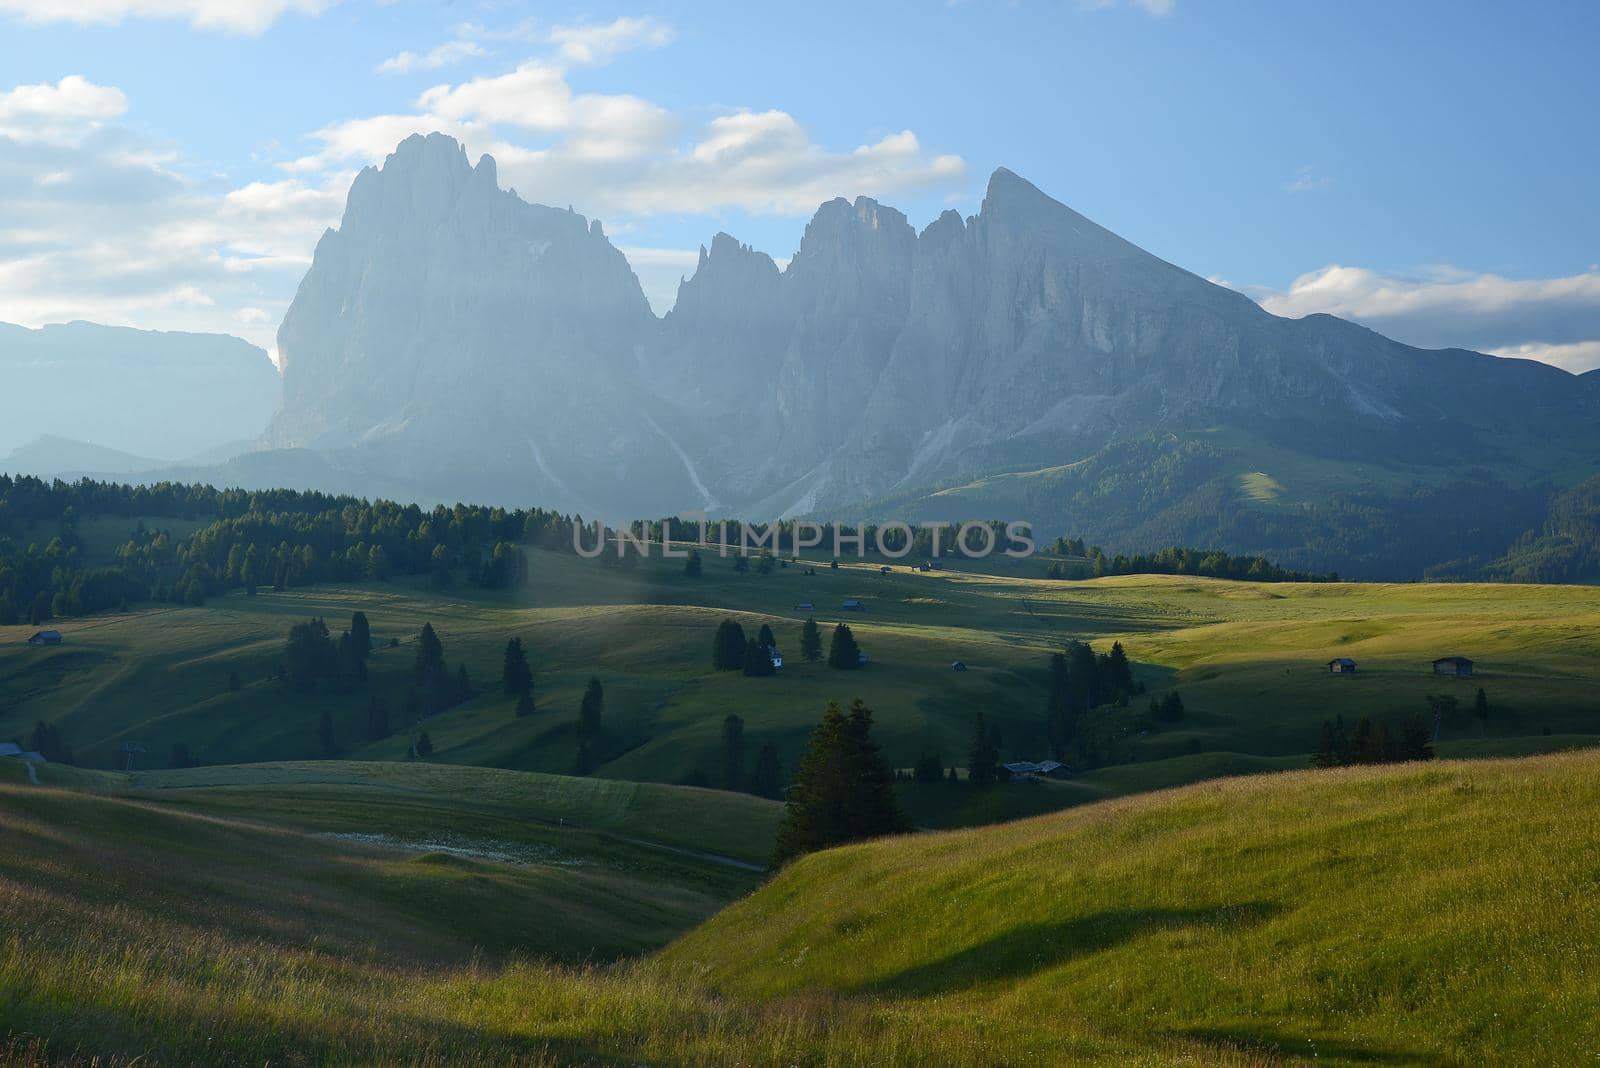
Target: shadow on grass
(1022, 951)
(1277, 1044)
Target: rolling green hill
(1248, 658)
(1438, 913)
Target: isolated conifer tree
(361, 634)
(983, 759)
(525, 706)
(1119, 671)
(430, 653)
(1059, 721)
(843, 653)
(843, 790)
(765, 637)
(767, 779)
(811, 641)
(516, 676)
(584, 764)
(591, 709)
(727, 649)
(953, 776)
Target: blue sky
(1428, 168)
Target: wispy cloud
(447, 54)
(232, 16)
(623, 154)
(1556, 320)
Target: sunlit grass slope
(1421, 914)
(1426, 914)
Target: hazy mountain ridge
(152, 394)
(451, 341)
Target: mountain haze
(1021, 363)
(162, 395)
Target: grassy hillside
(1248, 659)
(1424, 914)
(1429, 914)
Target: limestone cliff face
(452, 335)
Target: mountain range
(452, 341)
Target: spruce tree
(591, 709)
(430, 653)
(843, 790)
(361, 634)
(767, 779)
(843, 653)
(525, 706)
(1059, 721)
(516, 676)
(983, 759)
(765, 637)
(728, 646)
(810, 641)
(757, 661)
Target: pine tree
(1480, 706)
(765, 637)
(592, 707)
(361, 634)
(584, 764)
(811, 641)
(983, 759)
(953, 776)
(516, 676)
(843, 653)
(732, 752)
(727, 649)
(463, 684)
(1118, 670)
(1059, 722)
(1416, 739)
(525, 707)
(430, 653)
(757, 661)
(767, 779)
(843, 790)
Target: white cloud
(445, 55)
(1577, 357)
(587, 43)
(233, 16)
(1556, 320)
(659, 271)
(96, 224)
(62, 112)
